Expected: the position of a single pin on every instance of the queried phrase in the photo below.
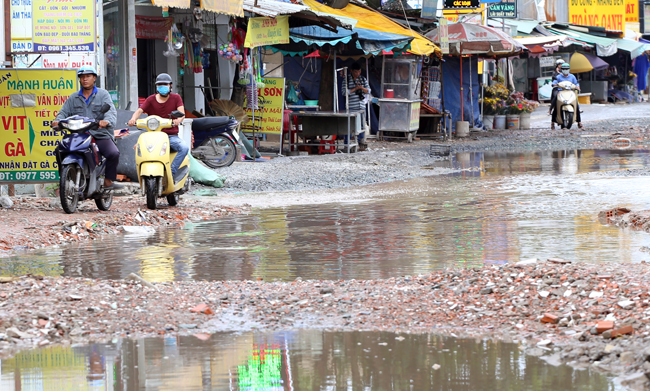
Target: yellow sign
(632, 11)
(267, 31)
(63, 25)
(444, 36)
(172, 3)
(30, 99)
(230, 7)
(272, 103)
(609, 14)
(415, 116)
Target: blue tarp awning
(363, 41)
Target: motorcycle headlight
(153, 124)
(74, 124)
(164, 149)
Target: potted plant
(524, 118)
(491, 107)
(495, 98)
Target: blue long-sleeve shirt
(77, 104)
(570, 78)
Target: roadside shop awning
(230, 7)
(633, 47)
(605, 47)
(372, 20)
(366, 42)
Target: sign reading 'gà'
(609, 14)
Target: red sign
(151, 27)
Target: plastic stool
(327, 146)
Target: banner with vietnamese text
(272, 103)
(609, 14)
(63, 25)
(267, 31)
(30, 99)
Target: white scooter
(566, 106)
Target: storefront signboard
(152, 27)
(631, 11)
(452, 4)
(547, 61)
(506, 9)
(273, 106)
(415, 116)
(21, 20)
(646, 18)
(609, 14)
(61, 26)
(429, 8)
(444, 36)
(30, 99)
(267, 31)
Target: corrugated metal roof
(273, 8)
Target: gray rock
(326, 290)
(486, 291)
(187, 326)
(607, 334)
(6, 202)
(626, 304)
(15, 333)
(627, 358)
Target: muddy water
(300, 360)
(500, 208)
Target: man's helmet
(87, 70)
(163, 78)
(559, 61)
(565, 66)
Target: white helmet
(559, 61)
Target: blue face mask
(163, 90)
(566, 72)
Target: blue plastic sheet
(452, 94)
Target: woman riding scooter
(566, 75)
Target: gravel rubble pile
(578, 314)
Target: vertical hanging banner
(272, 101)
(63, 25)
(609, 14)
(267, 31)
(30, 99)
(444, 36)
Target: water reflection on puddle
(300, 360)
(506, 208)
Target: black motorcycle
(81, 166)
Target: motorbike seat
(209, 123)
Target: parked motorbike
(81, 166)
(215, 140)
(566, 104)
(153, 160)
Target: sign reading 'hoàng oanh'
(609, 14)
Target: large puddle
(300, 360)
(502, 208)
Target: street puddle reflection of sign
(622, 143)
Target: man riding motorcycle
(87, 102)
(566, 75)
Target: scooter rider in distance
(162, 103)
(566, 75)
(88, 102)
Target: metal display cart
(400, 106)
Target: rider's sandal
(552, 126)
(580, 126)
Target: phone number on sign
(14, 176)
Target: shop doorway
(146, 67)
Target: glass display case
(400, 78)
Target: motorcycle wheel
(224, 149)
(172, 199)
(105, 201)
(567, 118)
(67, 185)
(151, 190)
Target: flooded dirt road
(296, 360)
(502, 208)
